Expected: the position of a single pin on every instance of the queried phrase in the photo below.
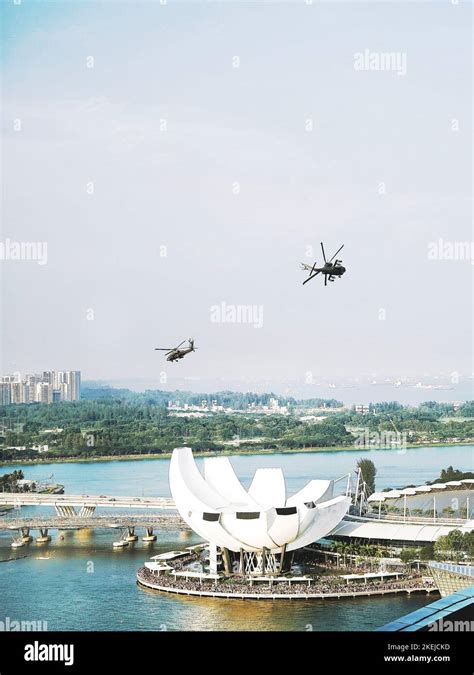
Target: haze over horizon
(176, 157)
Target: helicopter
(330, 269)
(175, 353)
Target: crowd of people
(243, 585)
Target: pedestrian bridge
(83, 506)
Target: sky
(183, 157)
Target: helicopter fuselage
(178, 354)
(334, 270)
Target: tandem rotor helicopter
(330, 269)
(175, 353)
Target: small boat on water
(121, 543)
(17, 543)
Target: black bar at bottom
(366, 652)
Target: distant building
(16, 392)
(49, 387)
(5, 393)
(273, 407)
(44, 392)
(40, 448)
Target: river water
(80, 583)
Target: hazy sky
(165, 126)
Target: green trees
(109, 422)
(407, 555)
(455, 545)
(132, 425)
(368, 473)
(453, 474)
(427, 552)
(9, 481)
(424, 553)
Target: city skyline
(45, 387)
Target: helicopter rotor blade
(311, 277)
(163, 349)
(325, 279)
(336, 253)
(324, 254)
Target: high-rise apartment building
(5, 393)
(48, 387)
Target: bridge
(74, 512)
(83, 506)
(451, 577)
(75, 523)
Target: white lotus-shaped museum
(221, 511)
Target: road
(94, 501)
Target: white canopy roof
(386, 531)
(169, 555)
(157, 567)
(195, 575)
(396, 494)
(370, 575)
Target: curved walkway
(277, 596)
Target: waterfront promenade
(317, 589)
